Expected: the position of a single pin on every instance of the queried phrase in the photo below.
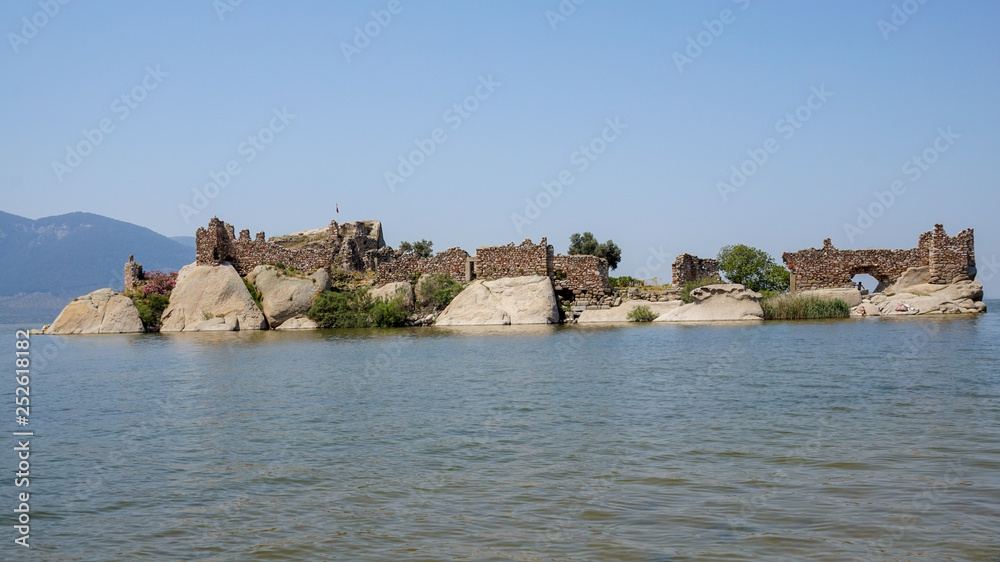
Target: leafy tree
(587, 245)
(753, 268)
(423, 248)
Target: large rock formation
(718, 303)
(620, 313)
(928, 298)
(207, 293)
(101, 312)
(515, 300)
(283, 295)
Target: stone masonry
(133, 274)
(451, 262)
(950, 259)
(584, 275)
(352, 246)
(688, 268)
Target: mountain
(185, 241)
(70, 255)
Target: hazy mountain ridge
(76, 253)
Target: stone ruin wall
(218, 243)
(584, 274)
(449, 262)
(495, 262)
(351, 246)
(688, 268)
(133, 274)
(949, 259)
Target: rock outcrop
(620, 313)
(963, 297)
(298, 323)
(723, 302)
(101, 312)
(389, 291)
(284, 296)
(513, 300)
(206, 294)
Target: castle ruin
(352, 246)
(949, 259)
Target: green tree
(753, 268)
(587, 245)
(423, 248)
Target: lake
(827, 440)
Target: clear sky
(645, 110)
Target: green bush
(754, 269)
(438, 290)
(254, 293)
(692, 285)
(623, 282)
(150, 309)
(389, 313)
(800, 307)
(642, 313)
(333, 309)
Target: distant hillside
(74, 254)
(184, 240)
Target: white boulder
(206, 294)
(512, 300)
(298, 323)
(100, 312)
(962, 297)
(722, 302)
(284, 296)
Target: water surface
(834, 440)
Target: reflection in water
(857, 439)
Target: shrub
(587, 244)
(333, 309)
(159, 282)
(803, 307)
(254, 293)
(692, 285)
(388, 313)
(623, 282)
(642, 313)
(754, 269)
(438, 290)
(423, 248)
(150, 309)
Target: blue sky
(309, 110)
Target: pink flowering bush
(159, 283)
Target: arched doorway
(871, 278)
